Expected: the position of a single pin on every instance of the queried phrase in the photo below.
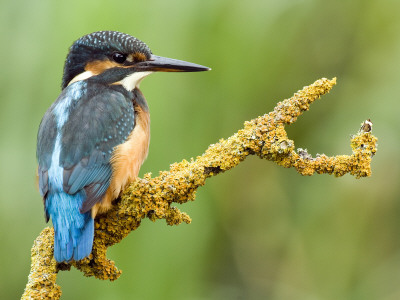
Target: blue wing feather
(75, 141)
(107, 119)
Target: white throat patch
(133, 81)
(82, 76)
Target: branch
(149, 197)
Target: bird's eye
(119, 57)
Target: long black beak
(164, 64)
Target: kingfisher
(94, 138)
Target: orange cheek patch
(136, 57)
(99, 66)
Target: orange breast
(126, 160)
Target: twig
(149, 197)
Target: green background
(259, 231)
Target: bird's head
(117, 57)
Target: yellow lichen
(42, 277)
(151, 198)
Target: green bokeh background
(259, 231)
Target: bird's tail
(73, 231)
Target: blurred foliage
(314, 237)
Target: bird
(94, 138)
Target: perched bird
(94, 138)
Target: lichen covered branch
(149, 197)
(42, 277)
